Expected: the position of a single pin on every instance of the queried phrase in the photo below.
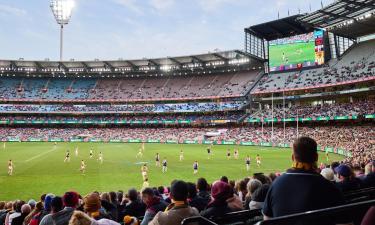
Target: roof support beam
(87, 68)
(108, 65)
(175, 61)
(62, 66)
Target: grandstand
(225, 99)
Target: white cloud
(130, 4)
(10, 10)
(162, 5)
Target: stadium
(279, 132)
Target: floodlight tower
(62, 10)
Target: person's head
(32, 203)
(43, 197)
(192, 190)
(18, 205)
(328, 174)
(344, 172)
(221, 191)
(179, 191)
(105, 196)
(161, 190)
(70, 199)
(262, 178)
(91, 203)
(2, 205)
(38, 206)
(334, 165)
(47, 202)
(147, 195)
(202, 184)
(25, 209)
(9, 205)
(120, 196)
(56, 204)
(252, 185)
(113, 197)
(305, 150)
(272, 176)
(224, 179)
(80, 218)
(133, 195)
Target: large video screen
(296, 52)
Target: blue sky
(131, 29)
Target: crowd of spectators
(314, 111)
(129, 108)
(359, 140)
(313, 187)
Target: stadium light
(62, 10)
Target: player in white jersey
(83, 167)
(55, 145)
(165, 168)
(195, 167)
(4, 145)
(247, 160)
(10, 167)
(100, 158)
(143, 147)
(181, 155)
(157, 160)
(76, 150)
(228, 153)
(144, 171)
(140, 153)
(236, 154)
(67, 156)
(258, 159)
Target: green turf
(40, 169)
(296, 53)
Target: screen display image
(296, 52)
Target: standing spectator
(310, 190)
(153, 205)
(369, 180)
(178, 209)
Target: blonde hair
(80, 218)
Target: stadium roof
(348, 18)
(215, 62)
(280, 28)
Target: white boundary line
(39, 155)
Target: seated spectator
(369, 218)
(129, 220)
(134, 207)
(56, 206)
(309, 189)
(258, 197)
(80, 218)
(328, 174)
(3, 213)
(93, 207)
(193, 199)
(70, 202)
(252, 185)
(369, 180)
(347, 181)
(25, 210)
(178, 209)
(34, 213)
(47, 208)
(153, 203)
(203, 190)
(16, 212)
(218, 206)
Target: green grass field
(40, 169)
(296, 53)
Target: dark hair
(224, 179)
(133, 194)
(56, 204)
(18, 205)
(179, 190)
(148, 191)
(202, 184)
(192, 190)
(120, 195)
(262, 178)
(161, 190)
(70, 199)
(43, 197)
(113, 197)
(305, 150)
